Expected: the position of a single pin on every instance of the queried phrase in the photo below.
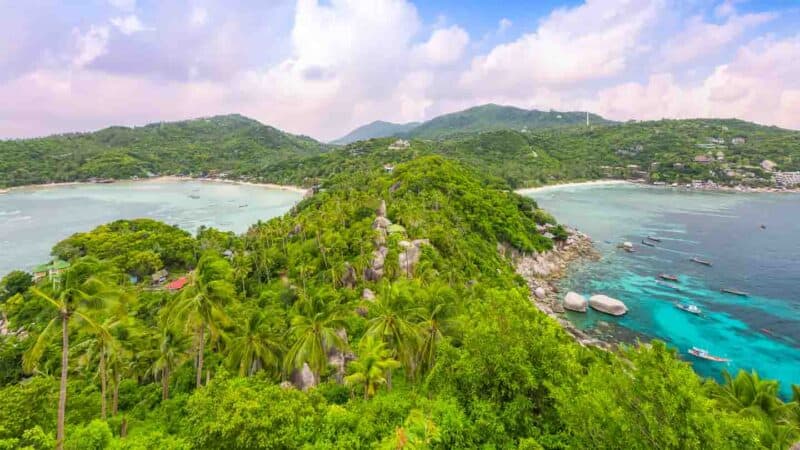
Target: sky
(324, 67)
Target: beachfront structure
(787, 179)
(51, 270)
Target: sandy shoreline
(165, 178)
(524, 191)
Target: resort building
(177, 285)
(787, 179)
(739, 140)
(51, 270)
(159, 277)
(400, 144)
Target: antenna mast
(587, 119)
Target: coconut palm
(171, 353)
(255, 347)
(78, 290)
(101, 348)
(434, 322)
(374, 361)
(200, 304)
(392, 323)
(748, 394)
(314, 332)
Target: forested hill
(730, 152)
(482, 118)
(229, 143)
(375, 129)
(385, 297)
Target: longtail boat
(701, 261)
(703, 354)
(734, 292)
(668, 277)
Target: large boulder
(575, 302)
(375, 270)
(409, 257)
(303, 378)
(540, 293)
(608, 305)
(382, 209)
(381, 223)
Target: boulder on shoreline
(608, 305)
(540, 293)
(575, 302)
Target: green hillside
(656, 151)
(223, 143)
(375, 129)
(412, 331)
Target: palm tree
(201, 302)
(391, 322)
(374, 361)
(171, 353)
(104, 347)
(748, 394)
(314, 330)
(434, 323)
(256, 347)
(80, 288)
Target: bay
(34, 219)
(761, 331)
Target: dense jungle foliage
(438, 350)
(193, 147)
(657, 151)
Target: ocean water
(32, 220)
(761, 331)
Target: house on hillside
(177, 285)
(702, 159)
(739, 140)
(400, 144)
(51, 270)
(159, 277)
(787, 179)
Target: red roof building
(177, 285)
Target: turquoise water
(759, 332)
(32, 220)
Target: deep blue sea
(759, 332)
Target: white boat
(703, 354)
(689, 308)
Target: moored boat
(701, 261)
(703, 354)
(734, 292)
(654, 239)
(688, 307)
(668, 277)
(649, 244)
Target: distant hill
(663, 150)
(495, 117)
(375, 129)
(489, 117)
(231, 143)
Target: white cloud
(128, 25)
(90, 45)
(445, 46)
(592, 41)
(198, 17)
(700, 38)
(124, 5)
(503, 25)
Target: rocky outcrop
(410, 254)
(338, 358)
(303, 378)
(3, 324)
(575, 302)
(349, 277)
(368, 295)
(540, 293)
(375, 270)
(608, 305)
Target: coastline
(547, 187)
(682, 187)
(164, 178)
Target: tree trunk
(201, 346)
(103, 384)
(62, 392)
(115, 398)
(165, 384)
(389, 379)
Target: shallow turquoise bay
(32, 220)
(759, 332)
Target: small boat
(763, 227)
(703, 354)
(654, 239)
(649, 244)
(768, 332)
(665, 284)
(668, 277)
(194, 196)
(630, 250)
(689, 308)
(243, 205)
(734, 292)
(701, 261)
